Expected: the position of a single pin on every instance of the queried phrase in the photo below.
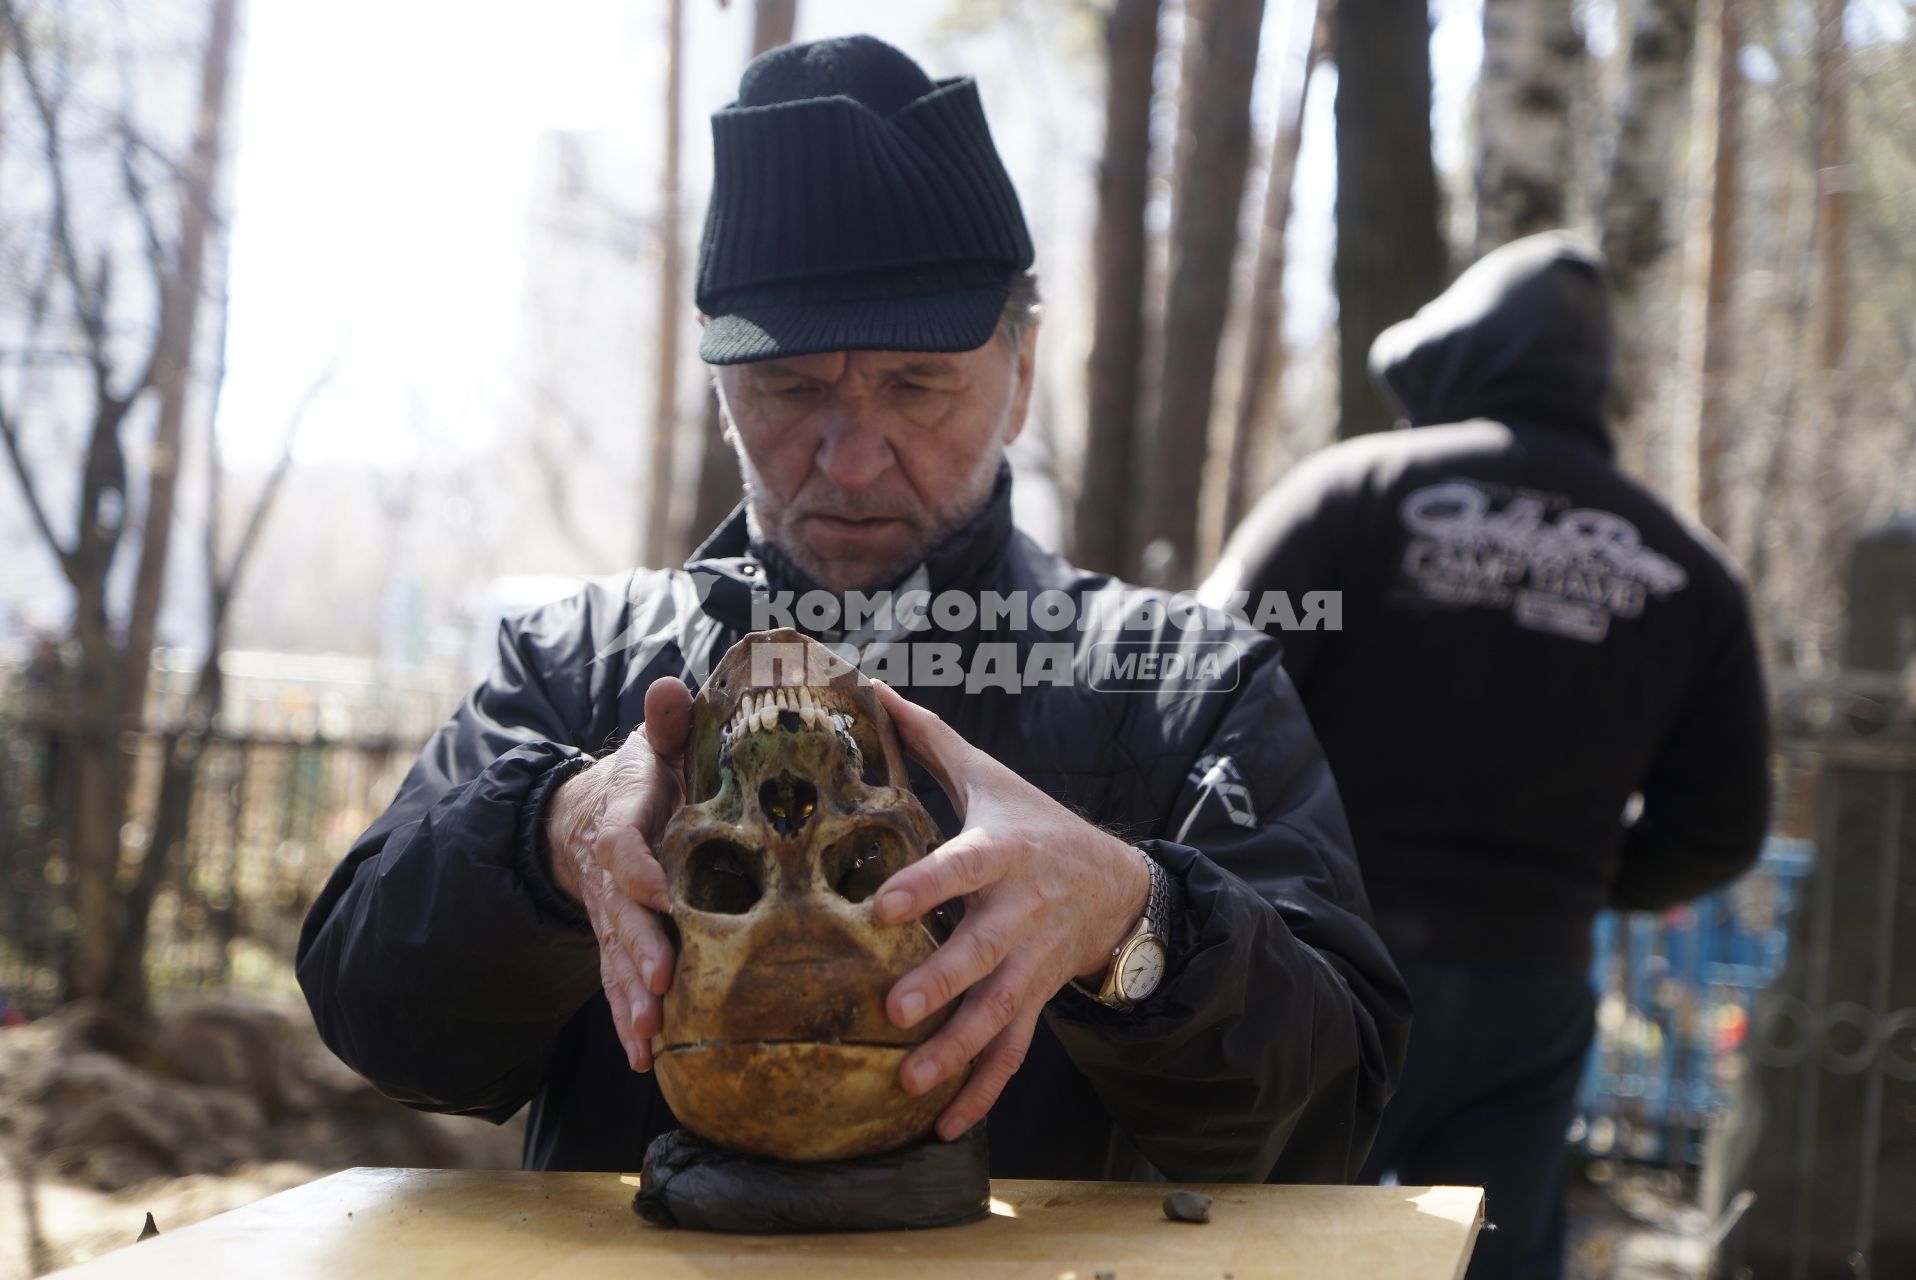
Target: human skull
(775, 1040)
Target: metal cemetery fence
(307, 754)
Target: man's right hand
(602, 826)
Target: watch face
(1140, 969)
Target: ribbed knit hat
(856, 205)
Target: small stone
(1187, 1206)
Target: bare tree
(1214, 150)
(1534, 64)
(183, 744)
(718, 485)
(1635, 229)
(772, 23)
(1391, 257)
(1831, 300)
(1700, 450)
(1107, 492)
(1263, 370)
(78, 314)
(656, 548)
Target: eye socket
(722, 878)
(862, 861)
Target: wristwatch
(1137, 963)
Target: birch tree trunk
(1391, 257)
(1103, 516)
(1635, 227)
(1534, 64)
(1214, 150)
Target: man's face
(857, 462)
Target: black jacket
(1529, 638)
(441, 963)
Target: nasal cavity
(723, 878)
(788, 803)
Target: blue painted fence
(1675, 997)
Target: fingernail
(912, 1006)
(893, 905)
(645, 972)
(639, 1006)
(925, 1074)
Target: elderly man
(496, 938)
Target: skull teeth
(760, 710)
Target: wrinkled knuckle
(941, 986)
(1031, 848)
(990, 944)
(1001, 1006)
(1044, 895)
(968, 865)
(601, 843)
(1009, 1058)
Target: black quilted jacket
(441, 963)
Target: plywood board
(415, 1224)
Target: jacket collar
(736, 565)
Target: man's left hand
(1048, 897)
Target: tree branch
(27, 487)
(136, 193)
(225, 586)
(88, 302)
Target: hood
(1523, 337)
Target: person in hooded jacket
(1544, 699)
(495, 939)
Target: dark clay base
(688, 1182)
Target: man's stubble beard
(759, 502)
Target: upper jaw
(788, 707)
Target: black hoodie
(1529, 638)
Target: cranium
(775, 1040)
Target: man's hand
(602, 826)
(1047, 896)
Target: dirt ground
(1630, 1223)
(217, 1104)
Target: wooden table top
(423, 1224)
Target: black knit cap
(856, 205)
